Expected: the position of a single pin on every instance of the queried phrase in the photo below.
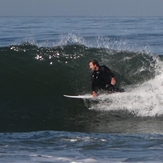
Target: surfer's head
(94, 65)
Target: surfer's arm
(94, 90)
(94, 86)
(111, 74)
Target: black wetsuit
(101, 80)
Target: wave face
(34, 79)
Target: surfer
(102, 78)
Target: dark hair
(94, 62)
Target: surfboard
(80, 96)
(88, 96)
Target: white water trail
(142, 100)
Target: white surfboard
(80, 96)
(88, 96)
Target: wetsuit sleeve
(109, 72)
(93, 82)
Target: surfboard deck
(88, 96)
(80, 96)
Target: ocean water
(43, 58)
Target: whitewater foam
(143, 100)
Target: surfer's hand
(113, 81)
(94, 94)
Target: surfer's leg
(112, 89)
(117, 89)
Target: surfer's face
(92, 66)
